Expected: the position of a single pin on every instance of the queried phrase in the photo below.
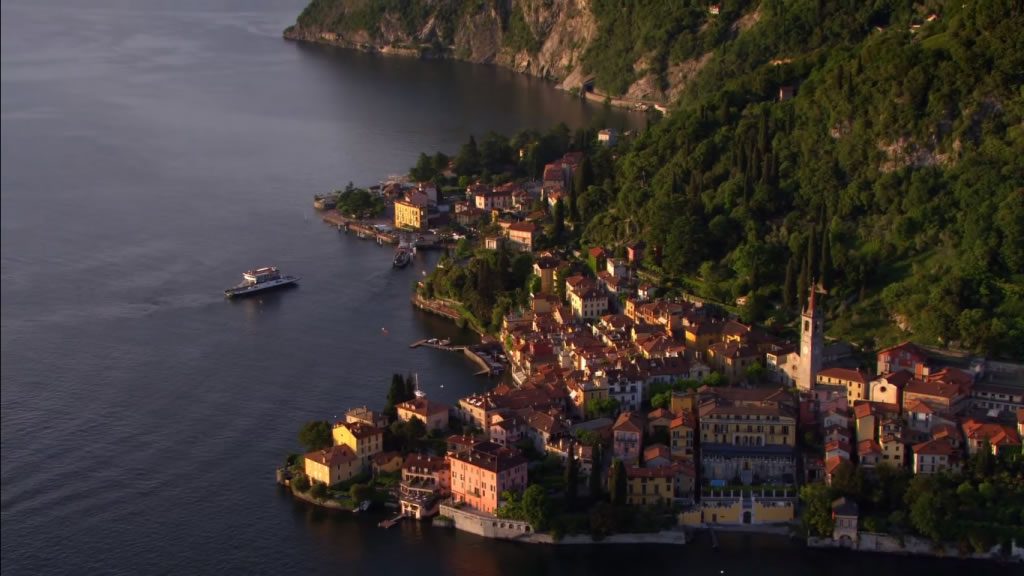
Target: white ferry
(260, 279)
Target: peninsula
(794, 301)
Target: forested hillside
(873, 146)
(894, 176)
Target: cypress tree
(595, 473)
(825, 271)
(618, 483)
(789, 288)
(571, 477)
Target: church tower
(812, 343)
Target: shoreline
(431, 53)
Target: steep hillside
(875, 147)
(640, 49)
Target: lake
(151, 151)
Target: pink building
(482, 472)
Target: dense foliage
(893, 176)
(488, 285)
(358, 202)
(979, 508)
(872, 147)
(316, 435)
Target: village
(630, 412)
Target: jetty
(385, 524)
(479, 354)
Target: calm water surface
(150, 152)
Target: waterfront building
(410, 216)
(481, 473)
(366, 416)
(749, 435)
(650, 486)
(844, 521)
(732, 507)
(434, 415)
(386, 462)
(331, 465)
(425, 481)
(364, 440)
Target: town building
(483, 471)
(522, 235)
(997, 436)
(410, 216)
(855, 382)
(845, 516)
(331, 465)
(364, 440)
(748, 435)
(934, 456)
(434, 415)
(425, 481)
(627, 437)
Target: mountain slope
(875, 147)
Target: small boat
(259, 280)
(364, 506)
(402, 258)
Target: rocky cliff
(545, 38)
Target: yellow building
(650, 486)
(760, 509)
(364, 440)
(409, 216)
(855, 382)
(682, 432)
(333, 465)
(750, 435)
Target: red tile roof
(844, 374)
(332, 456)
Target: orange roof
(994, 433)
(833, 462)
(359, 429)
(844, 374)
(332, 456)
(870, 446)
(937, 447)
(629, 422)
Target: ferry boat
(260, 279)
(402, 258)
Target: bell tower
(812, 342)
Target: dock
(385, 524)
(488, 366)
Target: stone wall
(872, 542)
(486, 525)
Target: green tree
(596, 470)
(316, 435)
(318, 491)
(618, 481)
(536, 508)
(817, 516)
(467, 163)
(300, 482)
(558, 231)
(572, 479)
(360, 492)
(602, 407)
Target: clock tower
(812, 341)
